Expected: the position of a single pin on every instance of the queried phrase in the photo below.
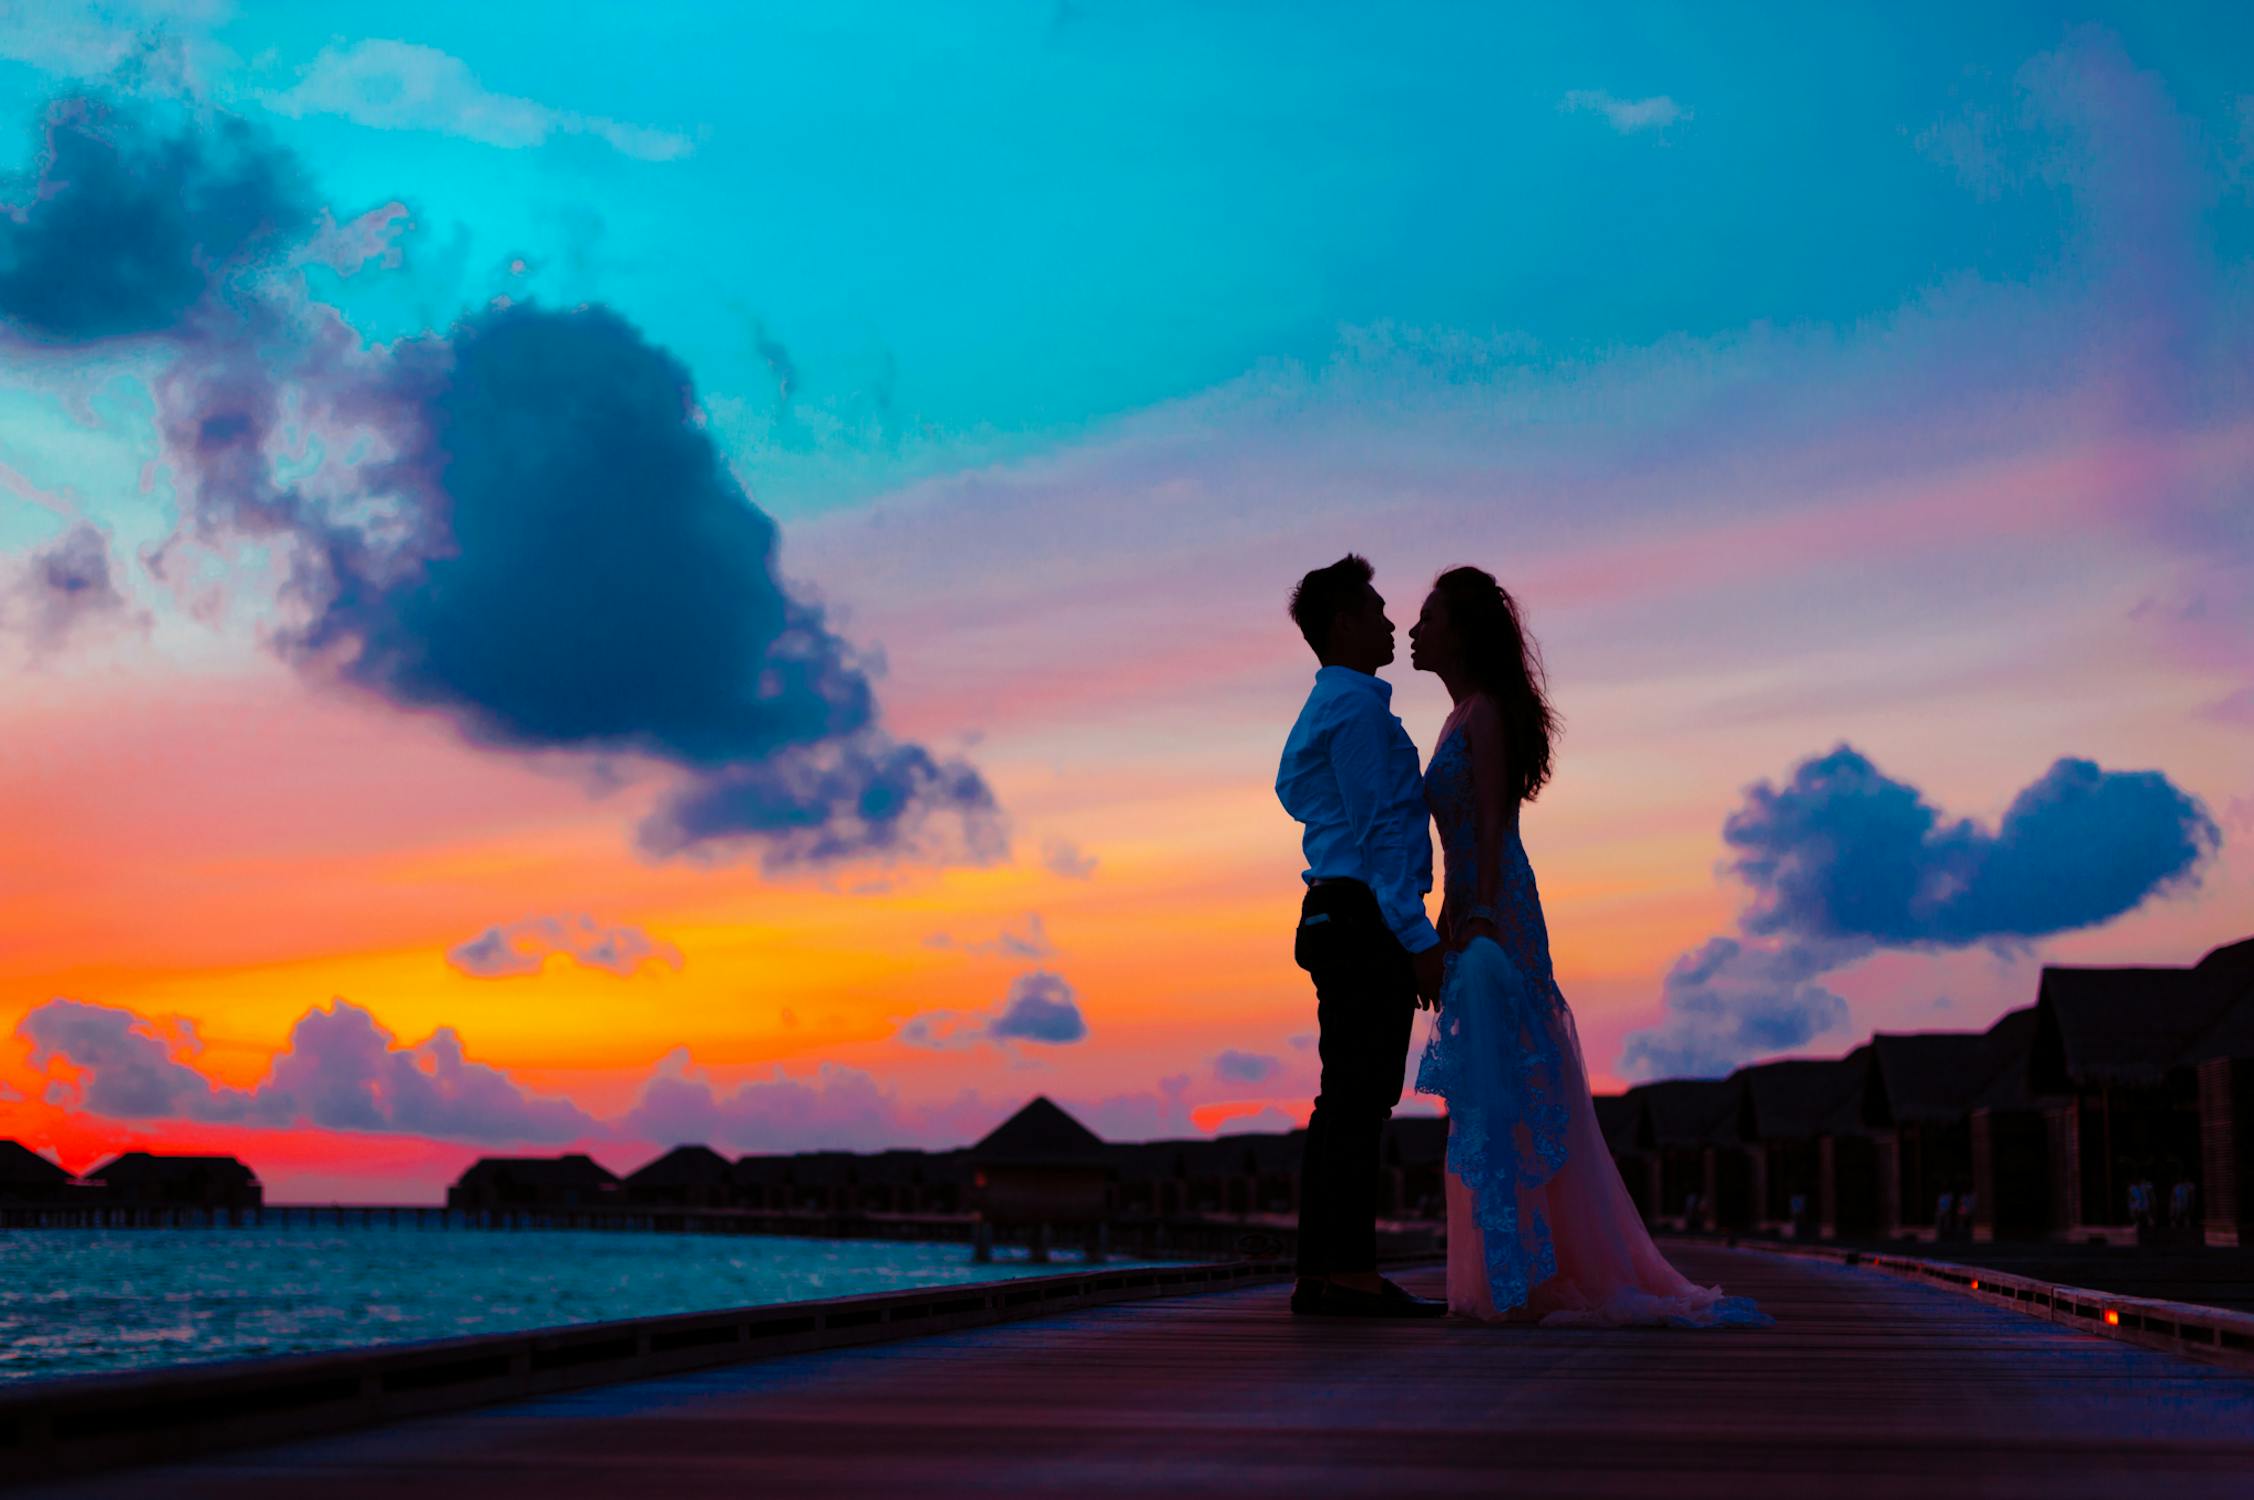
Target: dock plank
(1867, 1386)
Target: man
(1350, 777)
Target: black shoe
(1307, 1296)
(1346, 1302)
(1414, 1306)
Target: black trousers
(1365, 1005)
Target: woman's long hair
(1506, 664)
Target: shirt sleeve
(1363, 755)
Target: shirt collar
(1346, 678)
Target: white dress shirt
(1349, 775)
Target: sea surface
(74, 1301)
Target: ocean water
(79, 1300)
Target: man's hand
(1427, 966)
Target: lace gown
(1540, 1226)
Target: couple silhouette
(1540, 1226)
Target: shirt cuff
(1418, 934)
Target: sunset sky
(584, 577)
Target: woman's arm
(1489, 752)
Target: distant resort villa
(2118, 1107)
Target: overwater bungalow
(2222, 1062)
(1784, 1109)
(685, 1177)
(1920, 1089)
(2013, 1186)
(26, 1177)
(2113, 1045)
(1152, 1179)
(912, 1182)
(1705, 1177)
(142, 1179)
(1041, 1167)
(534, 1183)
(1414, 1154)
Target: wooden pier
(1195, 1237)
(1869, 1386)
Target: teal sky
(989, 224)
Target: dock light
(1976, 1283)
(2112, 1318)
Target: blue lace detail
(1497, 1052)
(1496, 1056)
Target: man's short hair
(1327, 593)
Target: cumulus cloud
(67, 589)
(131, 223)
(341, 1069)
(392, 85)
(519, 948)
(600, 585)
(344, 1070)
(1234, 1066)
(1844, 851)
(1061, 856)
(1729, 1002)
(123, 1066)
(839, 1108)
(1151, 1114)
(1040, 1008)
(1843, 860)
(1625, 115)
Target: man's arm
(1362, 750)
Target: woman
(1540, 1227)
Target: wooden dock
(1868, 1386)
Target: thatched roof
(2231, 965)
(138, 1167)
(1797, 1098)
(1040, 1134)
(683, 1166)
(1925, 1077)
(1687, 1111)
(20, 1166)
(2120, 1026)
(576, 1170)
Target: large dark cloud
(1844, 851)
(520, 523)
(1843, 860)
(603, 580)
(130, 222)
